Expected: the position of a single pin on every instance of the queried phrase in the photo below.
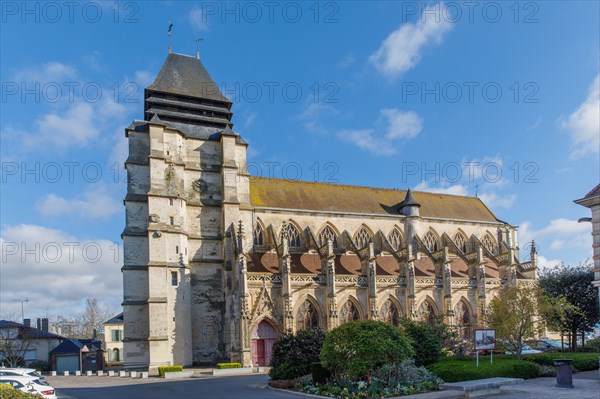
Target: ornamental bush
(168, 369)
(354, 349)
(427, 340)
(293, 355)
(8, 392)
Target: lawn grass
(452, 369)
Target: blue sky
(501, 98)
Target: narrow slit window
(171, 201)
(171, 220)
(177, 249)
(174, 279)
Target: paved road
(247, 387)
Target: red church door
(263, 338)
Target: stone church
(218, 263)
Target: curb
(297, 393)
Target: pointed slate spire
(184, 92)
(409, 206)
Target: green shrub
(8, 392)
(39, 365)
(221, 366)
(319, 373)
(293, 355)
(427, 340)
(168, 369)
(582, 361)
(593, 345)
(354, 349)
(454, 370)
(404, 374)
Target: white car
(30, 385)
(21, 371)
(525, 350)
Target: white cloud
(313, 114)
(396, 124)
(48, 266)
(197, 19)
(143, 78)
(584, 123)
(559, 234)
(94, 203)
(545, 263)
(402, 49)
(456, 189)
(494, 200)
(365, 139)
(401, 124)
(49, 72)
(77, 126)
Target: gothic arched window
(362, 237)
(308, 317)
(292, 234)
(461, 242)
(462, 317)
(426, 312)
(390, 313)
(348, 312)
(489, 243)
(430, 241)
(326, 234)
(258, 235)
(395, 239)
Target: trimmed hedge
(8, 392)
(221, 366)
(168, 369)
(582, 361)
(455, 370)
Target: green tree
(574, 283)
(428, 339)
(354, 349)
(514, 314)
(293, 355)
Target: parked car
(545, 344)
(29, 385)
(21, 371)
(509, 349)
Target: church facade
(218, 263)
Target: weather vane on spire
(197, 47)
(169, 29)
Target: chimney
(39, 324)
(27, 322)
(45, 324)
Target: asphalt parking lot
(83, 387)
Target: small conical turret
(410, 206)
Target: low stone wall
(239, 370)
(178, 374)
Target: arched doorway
(263, 338)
